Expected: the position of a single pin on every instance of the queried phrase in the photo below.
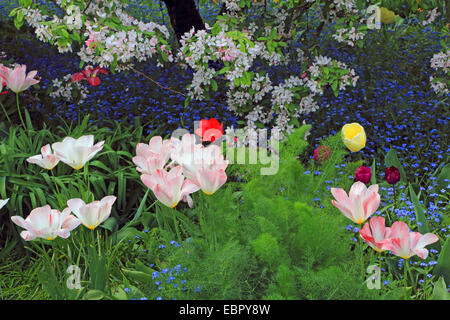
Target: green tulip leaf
(440, 290)
(94, 295)
(443, 264)
(420, 212)
(138, 275)
(110, 224)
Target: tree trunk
(183, 16)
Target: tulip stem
(98, 243)
(86, 176)
(18, 110)
(395, 197)
(176, 227)
(379, 254)
(6, 114)
(407, 272)
(361, 257)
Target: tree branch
(157, 83)
(90, 1)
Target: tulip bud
(392, 175)
(363, 174)
(353, 136)
(322, 153)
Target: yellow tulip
(387, 16)
(353, 136)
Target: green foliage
(265, 238)
(440, 290)
(420, 212)
(335, 282)
(111, 172)
(443, 266)
(267, 250)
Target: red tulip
(322, 153)
(392, 175)
(90, 75)
(363, 174)
(210, 130)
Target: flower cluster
(113, 38)
(431, 16)
(193, 167)
(398, 238)
(65, 88)
(362, 202)
(73, 152)
(325, 71)
(47, 223)
(348, 36)
(441, 63)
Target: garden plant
(224, 150)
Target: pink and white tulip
(46, 223)
(405, 244)
(16, 79)
(152, 156)
(46, 159)
(3, 202)
(361, 202)
(170, 187)
(209, 173)
(93, 214)
(376, 234)
(205, 166)
(76, 152)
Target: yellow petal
(387, 16)
(353, 136)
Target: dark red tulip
(392, 175)
(363, 174)
(322, 153)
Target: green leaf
(223, 70)
(110, 224)
(444, 174)
(443, 264)
(373, 179)
(140, 266)
(99, 164)
(119, 293)
(49, 282)
(334, 86)
(138, 275)
(401, 293)
(420, 213)
(97, 269)
(28, 120)
(14, 12)
(440, 290)
(94, 295)
(214, 85)
(124, 234)
(65, 33)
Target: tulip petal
(426, 239)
